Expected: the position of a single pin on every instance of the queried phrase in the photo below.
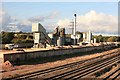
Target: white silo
(94, 40)
(89, 37)
(59, 41)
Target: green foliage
(23, 38)
(7, 37)
(29, 41)
(11, 37)
(29, 37)
(20, 32)
(68, 35)
(17, 40)
(101, 38)
(112, 39)
(77, 32)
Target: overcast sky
(98, 17)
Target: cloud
(64, 23)
(11, 23)
(42, 18)
(93, 21)
(26, 24)
(6, 20)
(13, 27)
(53, 15)
(36, 18)
(50, 27)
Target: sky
(98, 17)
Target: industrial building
(58, 36)
(41, 38)
(87, 37)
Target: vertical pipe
(74, 29)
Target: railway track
(77, 70)
(82, 71)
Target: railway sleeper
(107, 74)
(85, 67)
(104, 71)
(118, 77)
(94, 70)
(114, 75)
(71, 65)
(78, 72)
(85, 60)
(57, 71)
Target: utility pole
(72, 26)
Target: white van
(9, 46)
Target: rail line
(79, 72)
(75, 70)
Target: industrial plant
(58, 36)
(57, 55)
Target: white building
(78, 36)
(40, 35)
(87, 37)
(38, 31)
(37, 27)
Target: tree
(20, 32)
(99, 38)
(77, 32)
(21, 36)
(29, 37)
(112, 39)
(15, 40)
(7, 37)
